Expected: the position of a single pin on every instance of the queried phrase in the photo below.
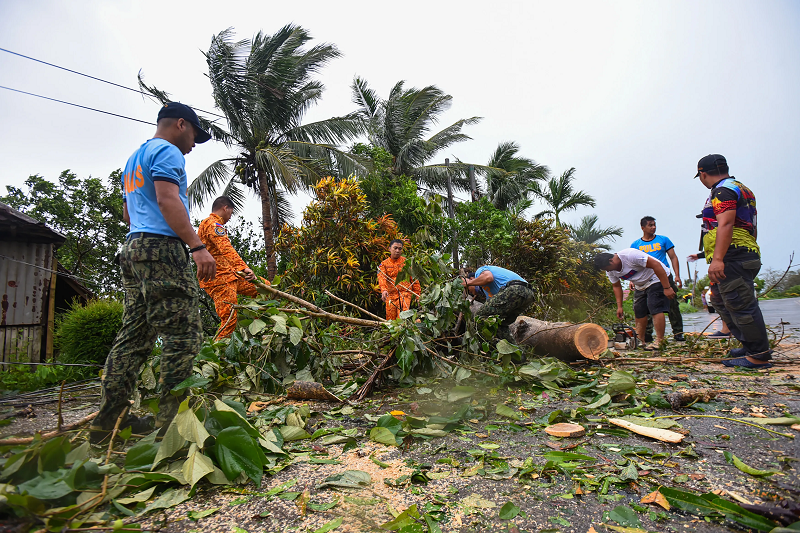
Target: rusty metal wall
(25, 278)
(24, 287)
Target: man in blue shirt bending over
(507, 295)
(659, 247)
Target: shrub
(337, 247)
(84, 334)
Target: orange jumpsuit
(226, 285)
(399, 295)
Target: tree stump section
(563, 340)
(565, 430)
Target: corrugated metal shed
(27, 274)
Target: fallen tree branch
(314, 310)
(65, 429)
(787, 435)
(354, 306)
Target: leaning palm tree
(560, 196)
(263, 87)
(402, 124)
(589, 232)
(509, 177)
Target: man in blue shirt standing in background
(659, 247)
(161, 288)
(507, 295)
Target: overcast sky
(631, 94)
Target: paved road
(775, 311)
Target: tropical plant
(88, 212)
(485, 232)
(589, 232)
(264, 87)
(337, 247)
(402, 124)
(395, 195)
(509, 178)
(560, 196)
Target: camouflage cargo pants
(161, 299)
(508, 303)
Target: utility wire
(73, 276)
(76, 105)
(97, 79)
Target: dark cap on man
(179, 110)
(711, 162)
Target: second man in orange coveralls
(396, 296)
(224, 288)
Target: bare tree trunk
(266, 221)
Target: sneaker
(719, 335)
(679, 337)
(140, 425)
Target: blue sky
(631, 94)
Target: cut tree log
(663, 435)
(565, 430)
(563, 340)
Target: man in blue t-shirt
(161, 288)
(507, 293)
(659, 247)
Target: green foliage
(264, 86)
(337, 247)
(395, 195)
(509, 178)
(561, 270)
(589, 232)
(401, 124)
(559, 195)
(86, 211)
(22, 378)
(484, 232)
(85, 334)
(214, 441)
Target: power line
(64, 274)
(77, 105)
(98, 79)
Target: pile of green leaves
(214, 441)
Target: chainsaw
(624, 337)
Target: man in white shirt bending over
(651, 281)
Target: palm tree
(263, 88)
(589, 232)
(560, 195)
(402, 126)
(509, 178)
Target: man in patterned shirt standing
(225, 287)
(734, 260)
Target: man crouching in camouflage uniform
(507, 294)
(161, 289)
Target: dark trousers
(674, 314)
(735, 300)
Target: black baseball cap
(711, 162)
(179, 110)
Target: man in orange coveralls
(397, 297)
(224, 288)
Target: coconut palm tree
(509, 177)
(263, 87)
(402, 124)
(589, 232)
(560, 196)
